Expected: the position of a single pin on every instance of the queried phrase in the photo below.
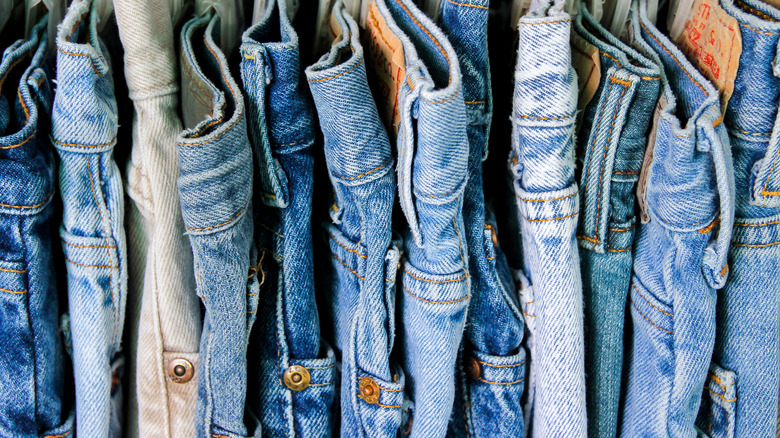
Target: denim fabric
(32, 375)
(542, 159)
(215, 189)
(365, 256)
(433, 154)
(84, 131)
(287, 336)
(680, 254)
(491, 368)
(741, 394)
(611, 147)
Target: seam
(320, 368)
(589, 239)
(620, 250)
(436, 196)
(28, 207)
(92, 64)
(87, 145)
(76, 25)
(592, 147)
(544, 118)
(436, 302)
(673, 57)
(612, 58)
(460, 246)
(651, 322)
(547, 200)
(512, 365)
(388, 406)
(348, 268)
(270, 229)
(626, 173)
(622, 229)
(23, 271)
(731, 400)
(24, 105)
(388, 389)
(469, 5)
(552, 219)
(771, 172)
(60, 435)
(30, 137)
(621, 82)
(12, 66)
(457, 93)
(473, 102)
(757, 225)
(189, 74)
(651, 78)
(441, 49)
(240, 116)
(651, 304)
(94, 266)
(364, 173)
(17, 292)
(320, 384)
(763, 134)
(350, 250)
(546, 22)
(759, 31)
(528, 314)
(337, 75)
(87, 246)
(436, 281)
(756, 245)
(500, 383)
(219, 225)
(709, 227)
(105, 239)
(770, 193)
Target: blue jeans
(740, 397)
(491, 366)
(84, 130)
(680, 253)
(545, 100)
(286, 343)
(363, 266)
(433, 149)
(611, 146)
(32, 375)
(215, 188)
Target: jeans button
(297, 378)
(473, 369)
(369, 390)
(180, 370)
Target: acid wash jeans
(293, 388)
(740, 396)
(545, 101)
(491, 366)
(166, 324)
(84, 131)
(365, 256)
(215, 189)
(680, 253)
(430, 116)
(32, 375)
(610, 147)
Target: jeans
(365, 256)
(611, 146)
(215, 189)
(293, 389)
(84, 131)
(491, 366)
(740, 396)
(680, 253)
(432, 144)
(545, 99)
(32, 375)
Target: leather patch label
(386, 57)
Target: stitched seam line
(619, 250)
(441, 49)
(388, 406)
(722, 397)
(348, 268)
(755, 245)
(544, 118)
(546, 22)
(337, 75)
(436, 281)
(648, 320)
(350, 250)
(673, 57)
(552, 219)
(87, 145)
(29, 207)
(59, 436)
(94, 266)
(271, 229)
(87, 246)
(92, 64)
(621, 82)
(500, 383)
(30, 137)
(364, 173)
(17, 292)
(592, 147)
(547, 200)
(757, 225)
(436, 302)
(759, 31)
(105, 239)
(468, 5)
(23, 271)
(511, 365)
(651, 304)
(219, 225)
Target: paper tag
(386, 55)
(713, 43)
(586, 62)
(641, 187)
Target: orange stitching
(14, 270)
(724, 270)
(760, 31)
(619, 250)
(648, 302)
(501, 366)
(673, 57)
(437, 302)
(547, 22)
(436, 281)
(621, 82)
(88, 246)
(722, 397)
(500, 383)
(92, 64)
(270, 229)
(528, 314)
(12, 66)
(626, 173)
(756, 245)
(388, 389)
(335, 76)
(18, 292)
(468, 5)
(473, 102)
(770, 193)
(388, 406)
(35, 131)
(441, 49)
(763, 134)
(651, 322)
(60, 435)
(756, 225)
(771, 172)
(27, 207)
(589, 239)
(612, 58)
(649, 78)
(544, 118)
(219, 225)
(348, 268)
(87, 145)
(593, 145)
(709, 227)
(547, 200)
(94, 266)
(364, 173)
(622, 229)
(552, 219)
(24, 106)
(189, 73)
(717, 122)
(218, 136)
(350, 250)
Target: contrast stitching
(320, 368)
(92, 64)
(346, 266)
(589, 239)
(388, 389)
(547, 22)
(621, 82)
(756, 225)
(364, 173)
(622, 229)
(512, 365)
(528, 314)
(270, 229)
(87, 246)
(87, 145)
(350, 250)
(218, 136)
(722, 397)
(18, 292)
(441, 49)
(28, 207)
(337, 75)
(547, 200)
(763, 134)
(94, 266)
(219, 225)
(105, 239)
(651, 322)
(544, 118)
(651, 304)
(756, 245)
(388, 406)
(673, 57)
(770, 193)
(473, 102)
(189, 73)
(30, 137)
(612, 58)
(651, 78)
(320, 384)
(60, 435)
(626, 173)
(14, 270)
(620, 250)
(592, 147)
(500, 383)
(771, 172)
(552, 219)
(24, 106)
(759, 31)
(468, 5)
(436, 302)
(436, 281)
(709, 227)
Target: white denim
(165, 314)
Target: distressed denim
(491, 368)
(610, 147)
(740, 396)
(433, 151)
(542, 159)
(215, 189)
(32, 375)
(365, 256)
(680, 253)
(84, 131)
(286, 340)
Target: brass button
(297, 378)
(180, 370)
(369, 390)
(473, 368)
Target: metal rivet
(180, 370)
(473, 368)
(368, 390)
(297, 378)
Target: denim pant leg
(32, 357)
(84, 130)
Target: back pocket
(718, 409)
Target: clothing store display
(358, 218)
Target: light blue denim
(740, 397)
(287, 336)
(680, 253)
(542, 159)
(610, 147)
(215, 188)
(433, 152)
(364, 262)
(84, 131)
(491, 368)
(32, 357)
